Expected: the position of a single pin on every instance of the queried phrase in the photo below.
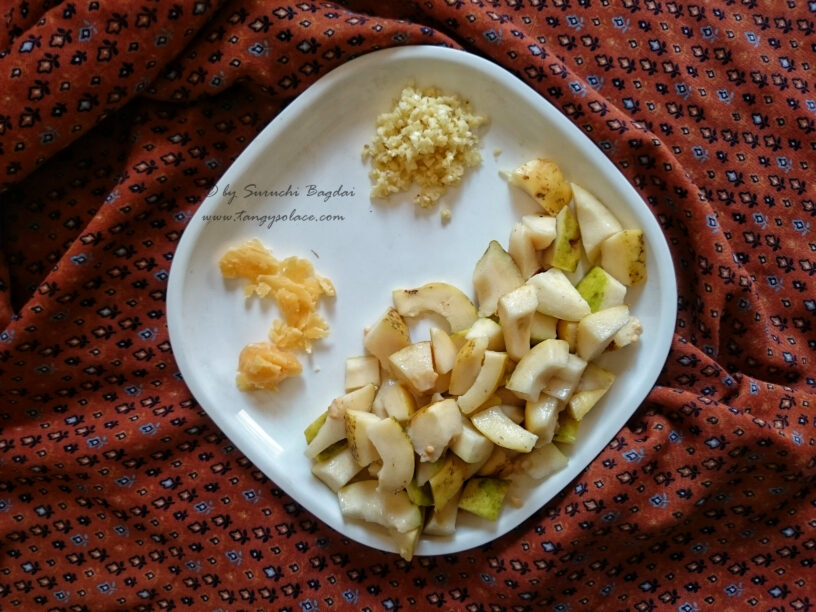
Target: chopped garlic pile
(428, 138)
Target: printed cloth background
(118, 493)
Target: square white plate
(308, 163)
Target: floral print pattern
(118, 493)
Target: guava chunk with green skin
(601, 290)
(484, 497)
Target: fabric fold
(117, 491)
(50, 97)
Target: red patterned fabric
(118, 493)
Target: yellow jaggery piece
(295, 339)
(262, 365)
(293, 300)
(296, 289)
(248, 261)
(429, 139)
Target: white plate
(377, 247)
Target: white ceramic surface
(308, 160)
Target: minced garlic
(428, 138)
